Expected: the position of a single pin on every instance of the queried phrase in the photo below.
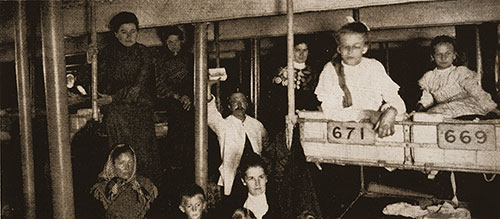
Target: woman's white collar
(299, 66)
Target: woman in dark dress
(174, 93)
(261, 196)
(306, 80)
(292, 174)
(126, 78)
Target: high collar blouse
(370, 86)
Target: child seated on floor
(354, 88)
(123, 193)
(192, 202)
(306, 215)
(453, 91)
(243, 213)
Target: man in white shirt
(234, 133)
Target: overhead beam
(311, 16)
(318, 15)
(405, 34)
(277, 25)
(440, 13)
(154, 13)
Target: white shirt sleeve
(331, 96)
(214, 118)
(328, 94)
(426, 99)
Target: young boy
(192, 202)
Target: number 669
(465, 136)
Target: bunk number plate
(466, 136)
(350, 133)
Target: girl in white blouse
(450, 90)
(354, 88)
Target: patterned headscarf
(108, 195)
(108, 172)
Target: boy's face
(124, 165)
(255, 180)
(193, 207)
(444, 55)
(300, 52)
(127, 34)
(352, 47)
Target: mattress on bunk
(469, 146)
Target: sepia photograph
(250, 109)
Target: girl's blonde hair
(354, 27)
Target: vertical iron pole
(93, 44)
(252, 71)
(355, 14)
(479, 58)
(24, 97)
(255, 78)
(291, 75)
(217, 46)
(200, 103)
(497, 67)
(54, 71)
(240, 71)
(387, 58)
(497, 71)
(217, 63)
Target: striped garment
(455, 91)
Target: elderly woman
(126, 79)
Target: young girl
(455, 91)
(123, 193)
(354, 88)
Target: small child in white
(451, 90)
(354, 88)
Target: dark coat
(272, 201)
(126, 73)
